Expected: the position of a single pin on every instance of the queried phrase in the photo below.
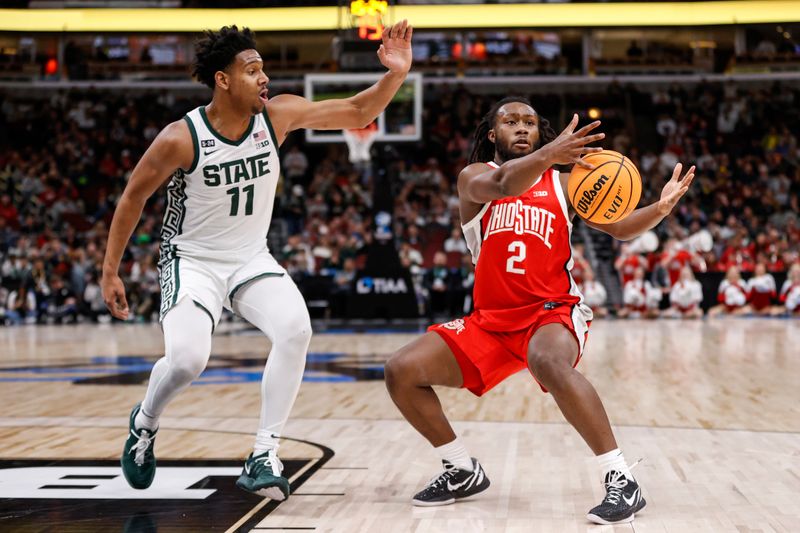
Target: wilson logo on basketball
(588, 196)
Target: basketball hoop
(359, 141)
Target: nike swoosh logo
(247, 468)
(457, 486)
(206, 152)
(634, 497)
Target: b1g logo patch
(207, 143)
(456, 325)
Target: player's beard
(506, 154)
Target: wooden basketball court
(712, 406)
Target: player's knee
(187, 359)
(295, 333)
(548, 366)
(397, 371)
(300, 327)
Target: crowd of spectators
(65, 159)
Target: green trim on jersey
(195, 143)
(269, 126)
(203, 307)
(221, 137)
(254, 278)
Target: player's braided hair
(216, 50)
(483, 148)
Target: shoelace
(141, 446)
(441, 478)
(615, 485)
(271, 460)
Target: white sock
(456, 453)
(613, 460)
(265, 440)
(144, 421)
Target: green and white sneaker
(262, 475)
(138, 461)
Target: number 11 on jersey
(518, 248)
(248, 207)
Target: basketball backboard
(401, 121)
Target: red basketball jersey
(521, 248)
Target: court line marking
(11, 421)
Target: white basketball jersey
(221, 207)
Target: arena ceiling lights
(421, 16)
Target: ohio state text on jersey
(521, 249)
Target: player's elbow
(364, 118)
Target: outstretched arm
(646, 218)
(289, 112)
(479, 183)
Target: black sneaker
(452, 484)
(623, 499)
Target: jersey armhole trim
(269, 127)
(195, 145)
(560, 195)
(477, 218)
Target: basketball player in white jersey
(222, 164)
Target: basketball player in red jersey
(528, 311)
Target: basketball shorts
(211, 284)
(488, 357)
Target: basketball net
(359, 141)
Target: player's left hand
(395, 52)
(675, 188)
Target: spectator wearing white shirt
(594, 294)
(640, 299)
(21, 306)
(455, 242)
(790, 292)
(732, 295)
(685, 297)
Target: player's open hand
(570, 145)
(395, 51)
(675, 188)
(114, 296)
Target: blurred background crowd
(65, 159)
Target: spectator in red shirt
(9, 212)
(676, 256)
(627, 263)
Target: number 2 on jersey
(518, 248)
(234, 193)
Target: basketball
(607, 193)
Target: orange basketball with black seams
(607, 193)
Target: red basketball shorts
(488, 357)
